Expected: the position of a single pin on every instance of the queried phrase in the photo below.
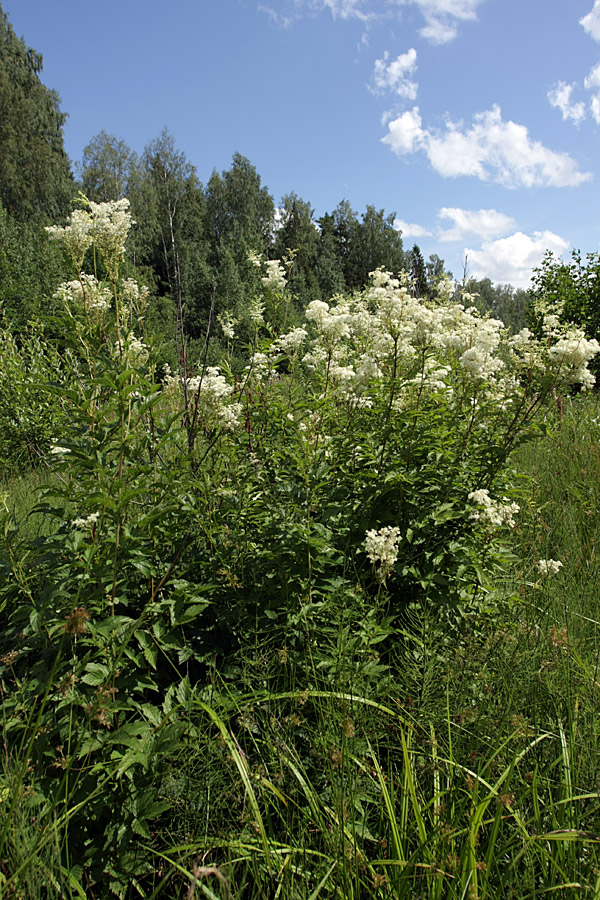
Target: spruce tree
(36, 183)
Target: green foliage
(362, 247)
(109, 169)
(418, 272)
(249, 651)
(30, 415)
(571, 290)
(35, 176)
(508, 304)
(30, 270)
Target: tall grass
(479, 778)
(475, 776)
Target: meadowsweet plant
(349, 483)
(415, 410)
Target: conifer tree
(36, 183)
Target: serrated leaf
(95, 674)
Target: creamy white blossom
(211, 386)
(292, 341)
(275, 279)
(86, 522)
(57, 450)
(137, 351)
(549, 566)
(259, 368)
(110, 224)
(229, 416)
(134, 295)
(75, 237)
(86, 292)
(493, 513)
(227, 323)
(256, 311)
(381, 547)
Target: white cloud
(491, 150)
(339, 9)
(591, 22)
(441, 17)
(593, 78)
(512, 259)
(485, 223)
(396, 75)
(410, 229)
(344, 9)
(592, 83)
(560, 97)
(405, 133)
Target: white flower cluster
(549, 566)
(493, 513)
(107, 224)
(255, 259)
(386, 328)
(275, 279)
(57, 450)
(227, 323)
(110, 224)
(75, 237)
(571, 354)
(382, 547)
(433, 377)
(171, 382)
(259, 367)
(86, 292)
(137, 351)
(87, 522)
(134, 296)
(211, 391)
(256, 309)
(291, 342)
(564, 354)
(446, 288)
(332, 323)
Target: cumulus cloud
(485, 223)
(591, 22)
(490, 150)
(409, 229)
(512, 259)
(560, 97)
(442, 17)
(406, 134)
(395, 75)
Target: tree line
(192, 242)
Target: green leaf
(95, 673)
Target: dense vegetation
(298, 547)
(226, 621)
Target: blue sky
(476, 121)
